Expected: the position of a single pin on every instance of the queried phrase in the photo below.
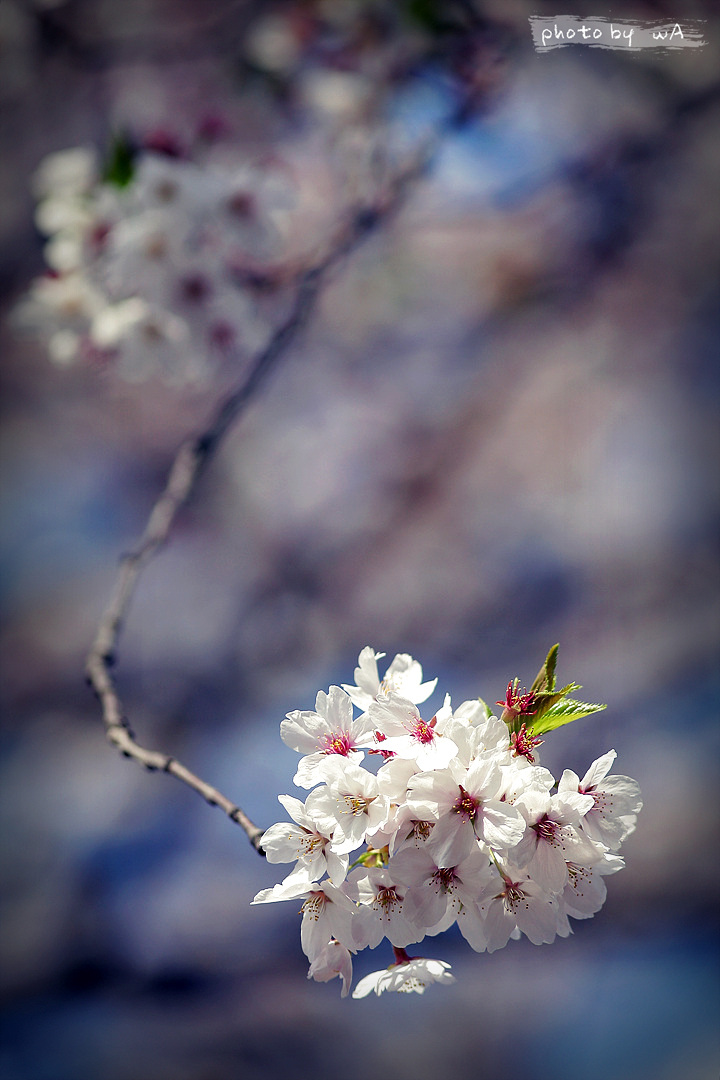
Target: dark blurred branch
(194, 454)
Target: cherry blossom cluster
(446, 820)
(150, 256)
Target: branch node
(367, 218)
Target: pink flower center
(513, 895)
(388, 899)
(337, 743)
(466, 805)
(522, 744)
(422, 731)
(516, 703)
(420, 831)
(444, 878)
(547, 829)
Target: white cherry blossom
(401, 730)
(329, 730)
(435, 894)
(403, 676)
(380, 912)
(408, 976)
(304, 842)
(514, 902)
(552, 837)
(333, 961)
(465, 805)
(615, 804)
(349, 804)
(458, 827)
(327, 912)
(586, 890)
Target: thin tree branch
(193, 455)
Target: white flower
(513, 902)
(171, 239)
(331, 962)
(615, 804)
(404, 676)
(585, 891)
(401, 730)
(69, 297)
(409, 976)
(350, 804)
(552, 838)
(476, 733)
(380, 913)
(327, 912)
(66, 172)
(465, 805)
(305, 842)
(435, 895)
(321, 734)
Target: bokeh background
(497, 432)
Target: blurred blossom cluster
(460, 824)
(153, 256)
(173, 251)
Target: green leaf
(545, 678)
(119, 167)
(559, 713)
(545, 700)
(549, 708)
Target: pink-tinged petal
(573, 805)
(290, 889)
(368, 984)
(436, 755)
(283, 842)
(452, 840)
(584, 893)
(538, 920)
(624, 793)
(332, 962)
(472, 927)
(548, 868)
(425, 906)
(337, 866)
(412, 866)
(336, 706)
(569, 781)
(366, 678)
(498, 925)
(315, 768)
(296, 810)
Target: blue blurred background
(498, 432)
